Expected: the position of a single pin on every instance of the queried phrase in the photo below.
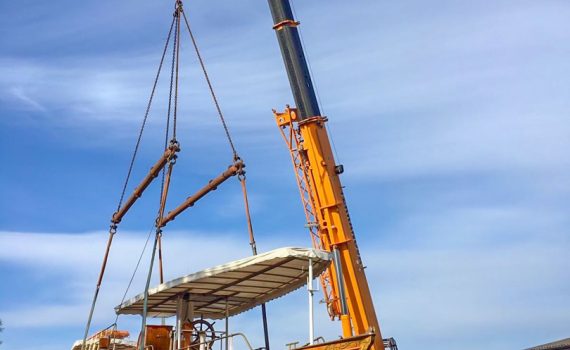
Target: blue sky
(450, 117)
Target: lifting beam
(153, 173)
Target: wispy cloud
(451, 121)
(71, 260)
(421, 292)
(438, 94)
(28, 102)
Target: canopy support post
(311, 309)
(265, 328)
(178, 321)
(227, 325)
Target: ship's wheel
(199, 329)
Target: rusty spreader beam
(232, 170)
(153, 173)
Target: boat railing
(208, 345)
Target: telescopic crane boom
(346, 289)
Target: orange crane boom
(345, 286)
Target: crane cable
(161, 207)
(211, 88)
(137, 145)
(133, 276)
(113, 227)
(165, 176)
(166, 136)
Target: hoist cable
(169, 112)
(137, 145)
(164, 188)
(177, 48)
(166, 136)
(207, 77)
(113, 228)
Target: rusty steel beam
(232, 170)
(153, 173)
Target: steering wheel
(204, 328)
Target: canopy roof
(242, 284)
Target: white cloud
(424, 293)
(443, 295)
(29, 102)
(439, 94)
(76, 258)
(416, 91)
(70, 262)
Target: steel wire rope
(147, 111)
(211, 88)
(166, 136)
(158, 235)
(147, 286)
(113, 228)
(177, 50)
(241, 177)
(135, 270)
(168, 115)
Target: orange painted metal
(104, 343)
(328, 220)
(286, 23)
(359, 342)
(294, 144)
(105, 257)
(165, 188)
(113, 333)
(186, 340)
(158, 337)
(248, 216)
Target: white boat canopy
(232, 288)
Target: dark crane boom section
(294, 57)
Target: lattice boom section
(293, 140)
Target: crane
(346, 290)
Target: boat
(216, 293)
